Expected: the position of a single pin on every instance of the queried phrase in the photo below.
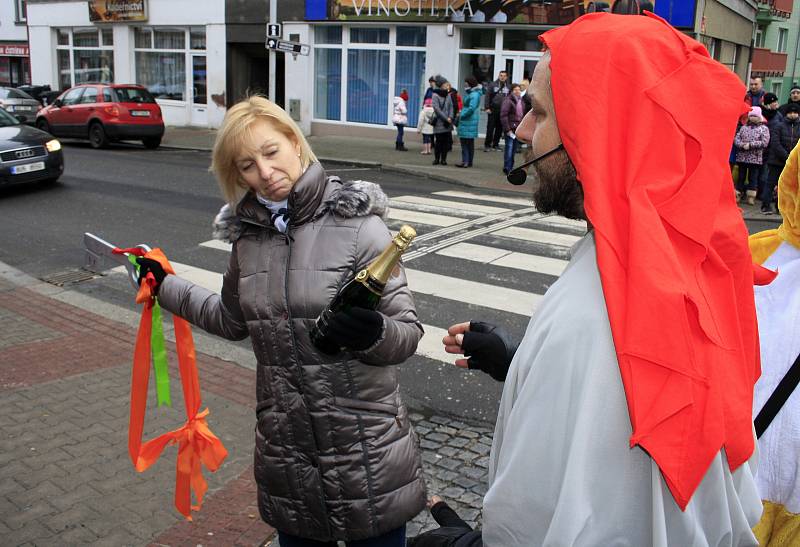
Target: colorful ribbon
(160, 364)
(196, 443)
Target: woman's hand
(355, 329)
(150, 266)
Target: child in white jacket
(425, 127)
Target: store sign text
(14, 50)
(402, 8)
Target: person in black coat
(783, 138)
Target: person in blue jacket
(468, 121)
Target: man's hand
(746, 146)
(488, 347)
(453, 531)
(511, 135)
(355, 329)
(148, 265)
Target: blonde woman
(335, 457)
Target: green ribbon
(159, 350)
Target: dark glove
(148, 265)
(355, 329)
(454, 532)
(489, 348)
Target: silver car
(19, 104)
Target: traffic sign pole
(273, 19)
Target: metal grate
(60, 279)
(23, 154)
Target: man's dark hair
(514, 86)
(503, 72)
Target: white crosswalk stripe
(458, 221)
(502, 257)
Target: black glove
(355, 329)
(148, 265)
(489, 348)
(454, 532)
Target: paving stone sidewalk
(65, 475)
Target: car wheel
(97, 136)
(42, 125)
(152, 142)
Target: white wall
(299, 75)
(441, 54)
(10, 31)
(209, 13)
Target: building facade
(175, 48)
(775, 45)
(365, 52)
(15, 66)
(199, 57)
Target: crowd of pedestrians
(446, 110)
(762, 144)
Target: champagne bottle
(364, 291)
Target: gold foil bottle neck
(381, 268)
(404, 237)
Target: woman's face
(270, 162)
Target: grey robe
(561, 471)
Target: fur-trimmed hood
(354, 198)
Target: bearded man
(626, 413)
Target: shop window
(84, 55)
(197, 38)
(411, 36)
(327, 84)
(143, 38)
(367, 85)
(5, 71)
(410, 75)
(369, 35)
(64, 69)
(522, 40)
(108, 36)
(163, 73)
(21, 9)
(328, 34)
(169, 38)
(85, 37)
(161, 58)
(477, 38)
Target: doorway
(520, 67)
(199, 91)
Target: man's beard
(557, 189)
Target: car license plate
(140, 113)
(27, 168)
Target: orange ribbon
(196, 443)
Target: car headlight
(53, 145)
(10, 108)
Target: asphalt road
(167, 198)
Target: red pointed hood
(648, 118)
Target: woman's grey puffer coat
(335, 456)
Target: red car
(104, 113)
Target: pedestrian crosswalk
(483, 251)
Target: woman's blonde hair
(236, 130)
